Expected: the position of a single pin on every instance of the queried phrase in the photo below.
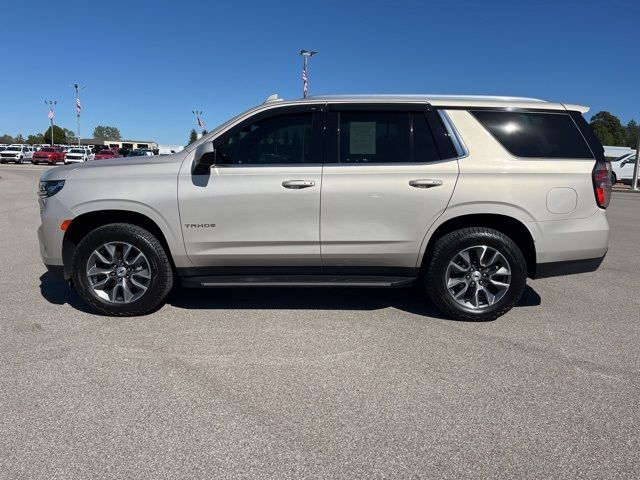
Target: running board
(296, 281)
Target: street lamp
(51, 103)
(306, 54)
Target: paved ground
(317, 383)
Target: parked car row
(52, 155)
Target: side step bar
(214, 281)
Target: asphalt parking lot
(317, 383)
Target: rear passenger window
(540, 135)
(374, 137)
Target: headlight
(50, 187)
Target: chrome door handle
(425, 183)
(298, 184)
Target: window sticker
(362, 138)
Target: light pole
(78, 106)
(199, 121)
(306, 54)
(634, 182)
(51, 103)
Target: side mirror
(205, 156)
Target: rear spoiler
(575, 108)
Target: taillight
(602, 183)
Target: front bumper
(50, 235)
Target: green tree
(37, 138)
(608, 129)
(70, 134)
(6, 138)
(204, 132)
(19, 139)
(58, 135)
(193, 136)
(632, 134)
(104, 132)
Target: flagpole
(199, 122)
(51, 103)
(78, 106)
(306, 54)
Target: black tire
(3, 161)
(446, 248)
(161, 280)
(20, 161)
(35, 162)
(614, 178)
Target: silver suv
(465, 196)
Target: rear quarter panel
(531, 190)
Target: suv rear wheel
(475, 274)
(122, 269)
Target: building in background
(128, 144)
(169, 149)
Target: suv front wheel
(122, 270)
(475, 274)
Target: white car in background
(77, 155)
(16, 154)
(622, 168)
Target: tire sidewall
(491, 238)
(106, 234)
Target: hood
(58, 173)
(114, 166)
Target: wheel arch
(509, 226)
(89, 221)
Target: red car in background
(50, 155)
(104, 154)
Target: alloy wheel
(478, 277)
(118, 272)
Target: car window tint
(374, 137)
(540, 135)
(283, 139)
(424, 144)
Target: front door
(390, 171)
(259, 205)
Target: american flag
(50, 114)
(200, 122)
(305, 82)
(78, 107)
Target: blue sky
(146, 65)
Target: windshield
(47, 149)
(76, 150)
(621, 157)
(14, 149)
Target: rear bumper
(567, 267)
(559, 241)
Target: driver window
(284, 139)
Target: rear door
(389, 172)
